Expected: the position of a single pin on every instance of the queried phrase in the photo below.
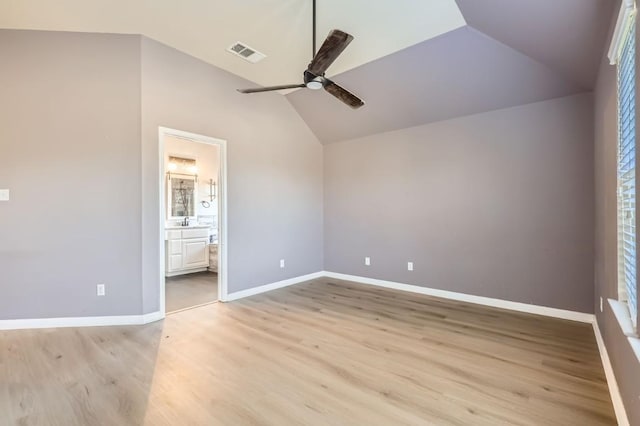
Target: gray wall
(79, 116)
(497, 204)
(274, 168)
(625, 364)
(70, 154)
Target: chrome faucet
(185, 221)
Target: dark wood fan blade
(271, 88)
(343, 94)
(332, 47)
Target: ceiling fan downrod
(313, 76)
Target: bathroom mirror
(182, 196)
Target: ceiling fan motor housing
(313, 82)
(314, 78)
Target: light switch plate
(4, 195)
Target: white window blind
(627, 281)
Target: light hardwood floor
(320, 353)
(185, 291)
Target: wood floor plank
(323, 352)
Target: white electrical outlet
(4, 195)
(367, 261)
(409, 266)
(282, 263)
(100, 289)
(601, 304)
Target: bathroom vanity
(186, 249)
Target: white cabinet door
(174, 246)
(175, 263)
(195, 253)
(174, 255)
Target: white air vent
(245, 52)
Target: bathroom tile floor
(186, 291)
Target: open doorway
(192, 219)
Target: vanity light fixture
(184, 167)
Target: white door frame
(222, 207)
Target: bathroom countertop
(187, 227)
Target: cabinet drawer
(173, 235)
(195, 233)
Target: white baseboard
(21, 324)
(273, 286)
(152, 317)
(155, 316)
(479, 300)
(614, 391)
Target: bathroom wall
(207, 160)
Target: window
(627, 275)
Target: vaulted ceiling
(413, 61)
(510, 53)
(281, 29)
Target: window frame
(626, 148)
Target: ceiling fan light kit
(315, 84)
(314, 76)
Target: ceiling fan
(313, 76)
